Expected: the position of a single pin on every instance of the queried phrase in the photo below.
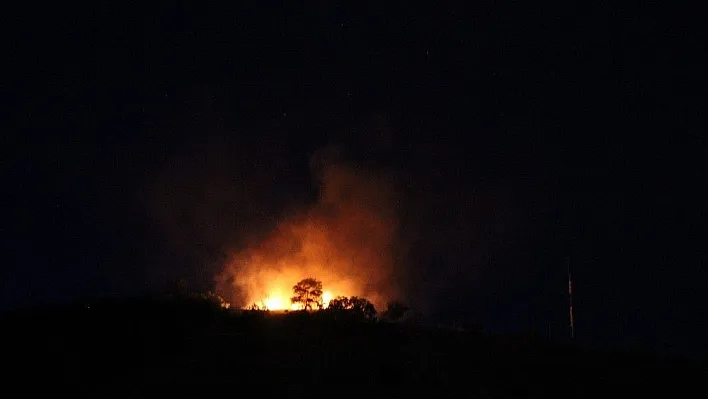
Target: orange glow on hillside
(282, 302)
(345, 241)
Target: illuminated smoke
(345, 240)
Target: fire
(281, 302)
(275, 303)
(345, 241)
(326, 297)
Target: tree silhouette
(214, 299)
(339, 303)
(363, 308)
(356, 307)
(395, 311)
(308, 292)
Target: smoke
(251, 213)
(212, 193)
(346, 239)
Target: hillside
(165, 348)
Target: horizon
(449, 156)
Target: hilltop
(168, 347)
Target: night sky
(519, 136)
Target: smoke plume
(345, 239)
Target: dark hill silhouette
(182, 346)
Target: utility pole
(570, 300)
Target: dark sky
(520, 135)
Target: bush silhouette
(395, 311)
(353, 307)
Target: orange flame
(345, 241)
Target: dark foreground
(171, 348)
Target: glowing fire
(326, 297)
(276, 303)
(345, 241)
(281, 302)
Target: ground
(166, 347)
